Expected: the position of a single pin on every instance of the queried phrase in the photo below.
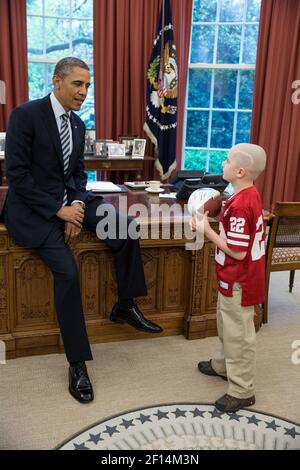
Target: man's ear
(56, 82)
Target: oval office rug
(187, 427)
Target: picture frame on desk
(100, 148)
(128, 141)
(89, 142)
(139, 146)
(2, 143)
(115, 149)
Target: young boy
(240, 265)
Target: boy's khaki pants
(237, 335)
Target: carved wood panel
(174, 276)
(33, 292)
(4, 283)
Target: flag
(162, 85)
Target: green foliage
(199, 88)
(225, 88)
(197, 129)
(195, 160)
(203, 44)
(205, 10)
(152, 72)
(229, 44)
(58, 40)
(216, 158)
(246, 89)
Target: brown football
(213, 206)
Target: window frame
(217, 66)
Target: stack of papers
(103, 187)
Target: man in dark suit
(47, 205)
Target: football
(206, 199)
(213, 206)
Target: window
(57, 29)
(221, 80)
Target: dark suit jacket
(34, 169)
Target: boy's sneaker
(205, 367)
(229, 404)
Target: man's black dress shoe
(80, 386)
(134, 317)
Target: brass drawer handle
(107, 165)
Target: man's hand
(73, 214)
(71, 231)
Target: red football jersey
(242, 226)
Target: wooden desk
(123, 165)
(182, 288)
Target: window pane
(216, 159)
(225, 88)
(36, 80)
(232, 10)
(35, 36)
(229, 44)
(246, 89)
(205, 10)
(82, 9)
(61, 8)
(82, 35)
(49, 75)
(87, 111)
(253, 10)
(34, 7)
(57, 38)
(203, 44)
(243, 128)
(250, 44)
(199, 88)
(197, 129)
(195, 160)
(222, 129)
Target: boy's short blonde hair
(251, 157)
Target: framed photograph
(90, 137)
(100, 148)
(139, 147)
(127, 140)
(115, 149)
(2, 143)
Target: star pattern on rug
(184, 419)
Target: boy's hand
(193, 223)
(207, 226)
(198, 219)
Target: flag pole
(162, 54)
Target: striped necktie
(65, 146)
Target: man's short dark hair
(65, 66)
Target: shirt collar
(57, 107)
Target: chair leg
(292, 277)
